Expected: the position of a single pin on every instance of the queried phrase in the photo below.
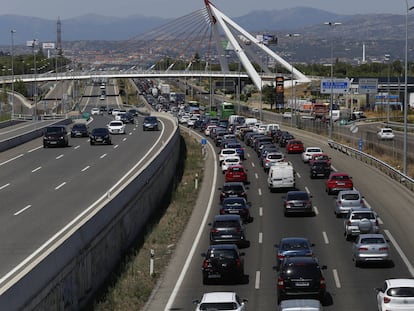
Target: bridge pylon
(234, 33)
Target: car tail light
(214, 230)
(376, 222)
(238, 230)
(387, 299)
(339, 202)
(222, 211)
(322, 283)
(349, 223)
(280, 256)
(206, 263)
(238, 262)
(280, 283)
(363, 248)
(383, 249)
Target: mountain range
(383, 32)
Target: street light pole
(406, 89)
(34, 42)
(332, 25)
(12, 32)
(387, 59)
(292, 108)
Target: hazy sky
(51, 9)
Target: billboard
(280, 92)
(48, 46)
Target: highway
(348, 287)
(44, 189)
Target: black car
(301, 277)
(133, 111)
(223, 262)
(284, 139)
(150, 123)
(320, 169)
(293, 247)
(100, 135)
(55, 135)
(127, 118)
(232, 189)
(236, 206)
(297, 201)
(228, 229)
(79, 130)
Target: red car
(294, 146)
(320, 157)
(236, 173)
(339, 181)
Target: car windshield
(218, 306)
(401, 292)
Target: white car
(221, 301)
(227, 152)
(208, 129)
(116, 127)
(396, 294)
(309, 152)
(95, 111)
(385, 133)
(229, 161)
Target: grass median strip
(131, 286)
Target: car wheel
(356, 262)
(92, 143)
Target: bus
(226, 110)
(193, 106)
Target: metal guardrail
(390, 171)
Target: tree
(269, 95)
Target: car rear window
(298, 196)
(226, 224)
(401, 292)
(233, 187)
(275, 156)
(218, 306)
(372, 241)
(363, 215)
(340, 177)
(350, 196)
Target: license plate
(214, 276)
(226, 236)
(302, 284)
(99, 139)
(341, 184)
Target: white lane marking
(59, 156)
(130, 133)
(60, 186)
(257, 281)
(36, 169)
(116, 146)
(253, 164)
(316, 210)
(4, 186)
(34, 149)
(336, 278)
(307, 189)
(325, 237)
(12, 159)
(256, 175)
(260, 237)
(22, 210)
(298, 174)
(124, 139)
(261, 211)
(259, 191)
(103, 156)
(85, 168)
(400, 252)
(333, 168)
(76, 147)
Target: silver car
(346, 200)
(370, 248)
(360, 221)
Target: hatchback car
(294, 146)
(236, 206)
(79, 130)
(297, 202)
(229, 161)
(55, 135)
(371, 248)
(95, 111)
(228, 229)
(346, 200)
(116, 127)
(301, 277)
(320, 169)
(320, 157)
(293, 246)
(236, 173)
(221, 301)
(309, 151)
(100, 135)
(338, 181)
(233, 189)
(359, 221)
(223, 262)
(271, 158)
(127, 118)
(396, 294)
(226, 152)
(150, 123)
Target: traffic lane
(358, 282)
(65, 197)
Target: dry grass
(133, 286)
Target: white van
(300, 305)
(236, 119)
(281, 176)
(250, 122)
(272, 127)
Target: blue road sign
(203, 141)
(335, 86)
(360, 144)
